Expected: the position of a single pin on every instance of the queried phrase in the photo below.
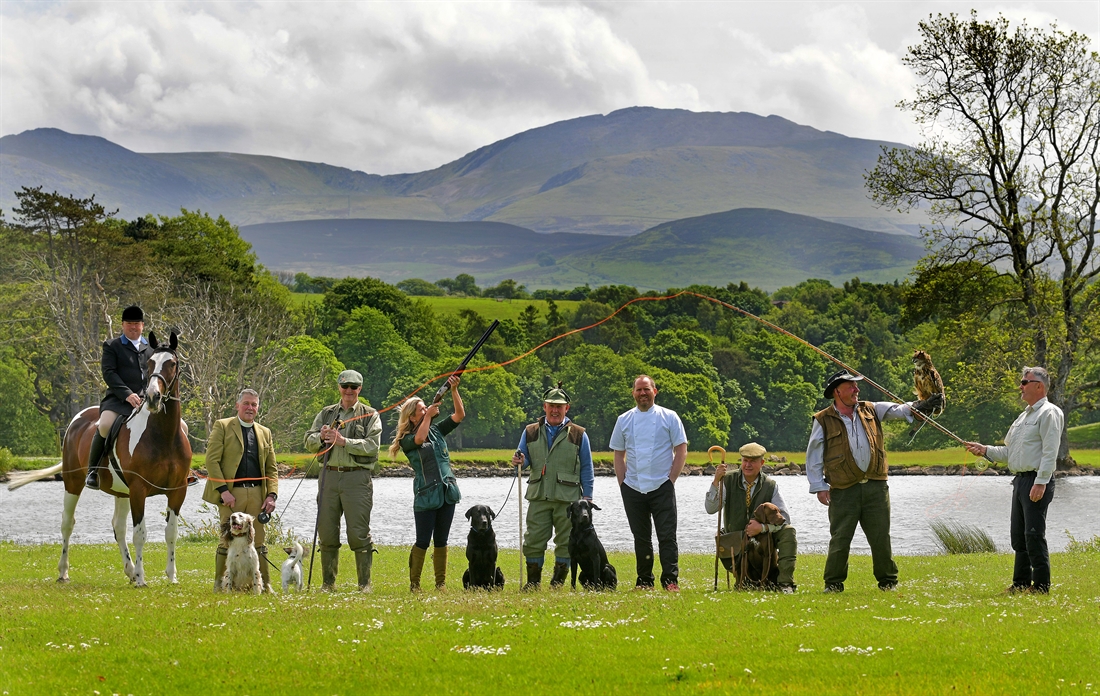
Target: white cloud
(389, 87)
(379, 87)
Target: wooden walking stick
(519, 495)
(721, 504)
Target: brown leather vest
(840, 466)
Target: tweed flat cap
(350, 377)
(752, 451)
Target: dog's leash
(508, 494)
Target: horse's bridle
(166, 394)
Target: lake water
(32, 514)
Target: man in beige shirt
(351, 432)
(1031, 451)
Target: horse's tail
(22, 478)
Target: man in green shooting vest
(560, 457)
(351, 431)
(744, 490)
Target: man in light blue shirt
(650, 448)
(1031, 451)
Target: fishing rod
(884, 390)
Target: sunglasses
(350, 386)
(1024, 382)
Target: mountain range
(618, 174)
(765, 248)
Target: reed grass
(956, 537)
(1083, 545)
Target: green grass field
(485, 306)
(1084, 435)
(946, 630)
(491, 309)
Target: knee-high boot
(220, 557)
(265, 568)
(439, 560)
(364, 559)
(416, 567)
(95, 453)
(330, 565)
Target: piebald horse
(152, 454)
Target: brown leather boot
(416, 567)
(534, 577)
(561, 570)
(439, 560)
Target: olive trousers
(546, 518)
(351, 494)
(867, 505)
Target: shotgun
(445, 387)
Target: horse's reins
(166, 394)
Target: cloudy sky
(399, 87)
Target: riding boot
(534, 576)
(95, 453)
(364, 558)
(265, 567)
(560, 571)
(220, 557)
(439, 560)
(416, 567)
(330, 564)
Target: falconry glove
(929, 405)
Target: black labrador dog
(481, 551)
(586, 552)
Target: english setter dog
(242, 567)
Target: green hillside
(495, 309)
(619, 173)
(765, 248)
(487, 307)
(393, 250)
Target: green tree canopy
(23, 428)
(369, 344)
(421, 287)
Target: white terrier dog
(292, 568)
(242, 566)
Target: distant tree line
(72, 266)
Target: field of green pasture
(485, 306)
(1084, 435)
(947, 629)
